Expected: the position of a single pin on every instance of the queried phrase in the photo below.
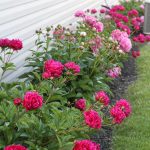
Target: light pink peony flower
(80, 104)
(90, 20)
(95, 44)
(92, 119)
(102, 97)
(52, 69)
(114, 72)
(125, 44)
(118, 35)
(32, 100)
(98, 26)
(73, 67)
(79, 13)
(86, 145)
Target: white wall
(20, 19)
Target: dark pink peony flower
(102, 10)
(102, 97)
(133, 13)
(17, 101)
(117, 114)
(16, 44)
(80, 104)
(15, 147)
(4, 43)
(32, 100)
(125, 106)
(52, 69)
(79, 13)
(73, 67)
(93, 11)
(92, 119)
(86, 145)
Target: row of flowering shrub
(66, 97)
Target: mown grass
(134, 133)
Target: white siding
(20, 19)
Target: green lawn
(134, 133)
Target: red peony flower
(32, 100)
(86, 145)
(92, 119)
(15, 147)
(80, 104)
(17, 101)
(73, 67)
(16, 44)
(102, 97)
(52, 69)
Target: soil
(119, 86)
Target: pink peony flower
(118, 35)
(4, 43)
(125, 44)
(80, 104)
(125, 106)
(92, 119)
(79, 13)
(15, 147)
(16, 44)
(32, 100)
(95, 44)
(86, 145)
(99, 26)
(73, 67)
(117, 114)
(114, 72)
(102, 97)
(142, 7)
(53, 69)
(90, 20)
(17, 101)
(93, 11)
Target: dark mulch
(118, 87)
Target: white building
(20, 19)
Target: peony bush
(66, 97)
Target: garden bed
(118, 87)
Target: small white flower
(82, 43)
(83, 34)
